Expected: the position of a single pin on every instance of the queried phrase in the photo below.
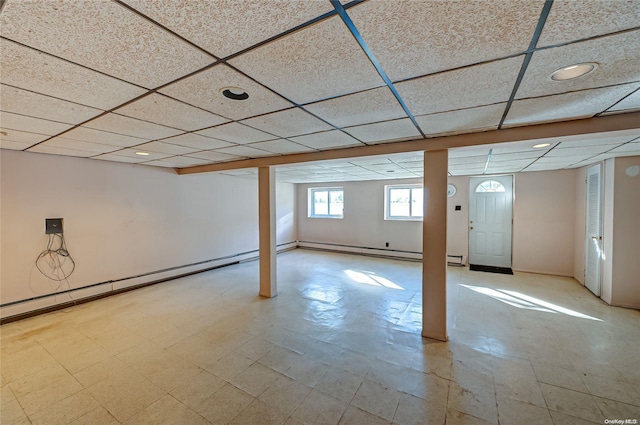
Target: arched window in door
(490, 186)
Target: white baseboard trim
(376, 252)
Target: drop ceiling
(106, 79)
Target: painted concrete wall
(543, 232)
(581, 225)
(626, 234)
(121, 220)
(458, 221)
(608, 179)
(363, 224)
(544, 222)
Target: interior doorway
(490, 223)
(593, 247)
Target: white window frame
(387, 201)
(311, 195)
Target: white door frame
(507, 260)
(593, 230)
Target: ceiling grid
(106, 80)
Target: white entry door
(593, 248)
(490, 221)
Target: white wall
(544, 214)
(580, 225)
(458, 221)
(543, 230)
(363, 224)
(625, 241)
(121, 220)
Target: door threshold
(490, 269)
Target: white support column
(434, 246)
(267, 230)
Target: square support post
(267, 230)
(434, 246)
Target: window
(490, 186)
(326, 202)
(403, 202)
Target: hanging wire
(55, 257)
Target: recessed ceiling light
(541, 145)
(573, 71)
(142, 153)
(234, 93)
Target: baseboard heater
(227, 261)
(362, 250)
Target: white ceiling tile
(166, 111)
(244, 150)
(571, 20)
(281, 146)
(203, 90)
(630, 102)
(508, 168)
(161, 147)
(39, 106)
(322, 61)
(119, 42)
(514, 163)
(387, 131)
(36, 125)
(515, 156)
(291, 122)
(103, 137)
(468, 151)
(617, 58)
(326, 140)
(562, 107)
(359, 108)
(632, 148)
(215, 156)
(569, 159)
(479, 159)
(77, 145)
(237, 133)
(12, 145)
(577, 150)
(119, 158)
(596, 139)
(412, 38)
(462, 121)
(25, 137)
(27, 68)
(466, 170)
(378, 160)
(463, 88)
(223, 27)
(53, 150)
(526, 146)
(131, 127)
(132, 153)
(195, 141)
(177, 162)
(410, 164)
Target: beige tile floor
(340, 344)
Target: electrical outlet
(52, 225)
(386, 244)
